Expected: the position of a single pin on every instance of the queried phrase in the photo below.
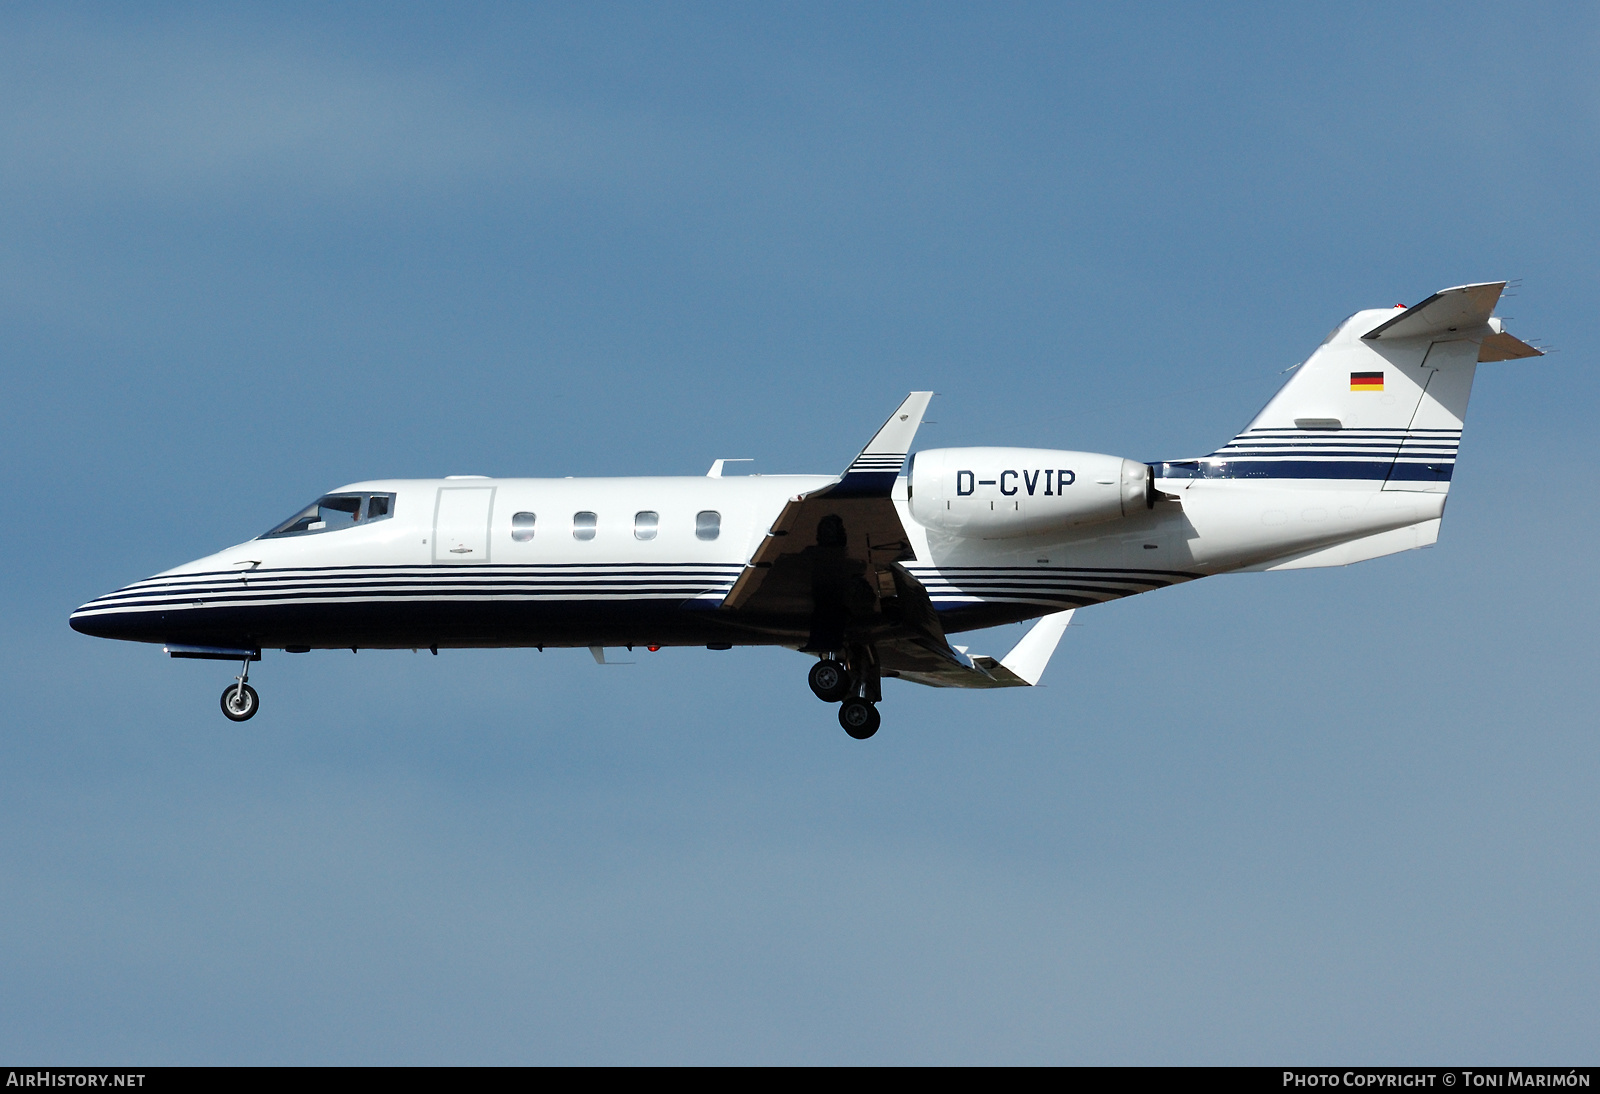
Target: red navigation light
(652, 649)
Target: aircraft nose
(98, 620)
(85, 621)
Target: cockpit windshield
(332, 512)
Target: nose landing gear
(239, 700)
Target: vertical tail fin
(1381, 403)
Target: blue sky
(248, 253)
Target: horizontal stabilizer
(1464, 308)
(1501, 346)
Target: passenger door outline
(461, 525)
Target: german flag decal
(1366, 381)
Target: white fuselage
(448, 566)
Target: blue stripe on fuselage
(1309, 469)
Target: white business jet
(870, 571)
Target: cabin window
(583, 525)
(645, 523)
(331, 512)
(707, 524)
(522, 526)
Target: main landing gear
(832, 681)
(859, 717)
(239, 700)
(829, 680)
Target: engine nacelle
(996, 493)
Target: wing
(830, 564)
(829, 557)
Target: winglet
(1029, 657)
(872, 473)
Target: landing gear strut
(239, 700)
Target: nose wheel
(239, 700)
